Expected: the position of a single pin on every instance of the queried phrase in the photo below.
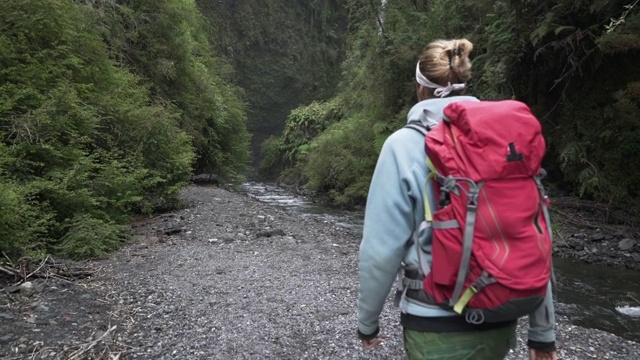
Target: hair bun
(460, 64)
(445, 62)
(462, 47)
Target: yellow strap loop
(464, 299)
(428, 215)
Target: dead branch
(78, 353)
(38, 269)
(9, 271)
(44, 272)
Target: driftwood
(78, 353)
(47, 268)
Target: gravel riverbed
(227, 277)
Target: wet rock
(38, 307)
(27, 289)
(6, 338)
(598, 236)
(626, 244)
(278, 232)
(620, 234)
(227, 238)
(270, 233)
(173, 230)
(6, 315)
(12, 289)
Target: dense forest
(574, 62)
(285, 54)
(108, 107)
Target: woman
(394, 207)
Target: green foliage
(272, 159)
(375, 94)
(589, 110)
(303, 125)
(340, 160)
(573, 62)
(165, 42)
(609, 175)
(285, 53)
(83, 145)
(21, 220)
(499, 47)
(621, 34)
(89, 237)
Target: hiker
(394, 210)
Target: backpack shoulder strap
(417, 126)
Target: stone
(27, 289)
(227, 238)
(41, 308)
(278, 232)
(6, 338)
(597, 236)
(626, 244)
(12, 289)
(620, 234)
(6, 316)
(263, 233)
(270, 233)
(173, 230)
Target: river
(592, 296)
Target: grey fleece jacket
(394, 209)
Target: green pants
(480, 345)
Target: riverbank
(584, 232)
(227, 277)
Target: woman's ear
(422, 93)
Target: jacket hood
(429, 112)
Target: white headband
(440, 91)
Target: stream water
(592, 296)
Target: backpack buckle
(473, 200)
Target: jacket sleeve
(388, 225)
(542, 324)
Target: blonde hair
(447, 62)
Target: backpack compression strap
(547, 217)
(458, 301)
(485, 279)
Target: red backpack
(491, 244)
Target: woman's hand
(370, 344)
(542, 355)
